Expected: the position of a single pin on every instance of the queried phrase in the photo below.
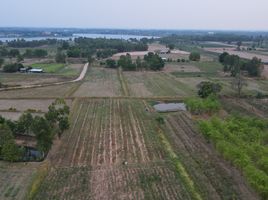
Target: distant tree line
(151, 61)
(43, 128)
(103, 48)
(22, 43)
(217, 37)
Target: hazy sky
(165, 14)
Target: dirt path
(81, 77)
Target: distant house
(36, 70)
(164, 59)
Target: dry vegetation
(100, 82)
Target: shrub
(194, 56)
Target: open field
(99, 82)
(154, 84)
(56, 91)
(176, 67)
(25, 104)
(19, 79)
(107, 133)
(61, 69)
(242, 54)
(15, 179)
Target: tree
(154, 61)
(238, 83)
(2, 60)
(60, 57)
(90, 59)
(20, 58)
(207, 88)
(13, 53)
(222, 57)
(111, 63)
(10, 151)
(43, 132)
(254, 67)
(40, 53)
(138, 63)
(126, 63)
(10, 68)
(63, 125)
(171, 46)
(194, 56)
(24, 123)
(232, 63)
(239, 44)
(57, 115)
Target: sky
(140, 14)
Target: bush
(200, 106)
(194, 56)
(207, 88)
(240, 140)
(11, 68)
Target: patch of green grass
(210, 67)
(49, 68)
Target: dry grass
(100, 82)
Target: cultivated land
(116, 149)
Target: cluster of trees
(35, 53)
(104, 48)
(222, 37)
(243, 141)
(234, 64)
(207, 88)
(44, 129)
(199, 106)
(151, 61)
(194, 56)
(208, 101)
(12, 67)
(22, 43)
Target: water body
(94, 36)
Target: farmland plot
(154, 84)
(104, 135)
(55, 91)
(109, 132)
(15, 179)
(215, 178)
(100, 82)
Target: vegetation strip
(179, 167)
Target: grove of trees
(43, 128)
(151, 61)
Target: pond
(170, 107)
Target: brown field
(57, 91)
(15, 179)
(19, 79)
(176, 67)
(242, 54)
(25, 104)
(106, 133)
(100, 82)
(154, 84)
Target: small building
(36, 70)
(164, 51)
